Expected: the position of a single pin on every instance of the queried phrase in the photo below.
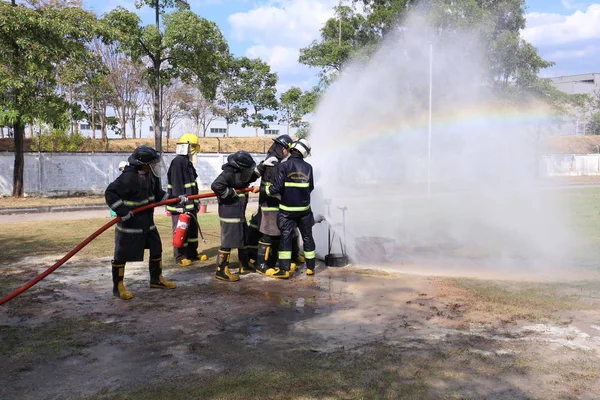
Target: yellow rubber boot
(278, 273)
(184, 262)
(157, 280)
(119, 290)
(310, 266)
(122, 292)
(223, 272)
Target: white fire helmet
(302, 146)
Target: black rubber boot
(157, 281)
(222, 272)
(262, 257)
(119, 289)
(278, 273)
(273, 256)
(310, 266)
(244, 259)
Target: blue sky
(565, 31)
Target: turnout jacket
(181, 179)
(268, 169)
(225, 186)
(129, 191)
(232, 206)
(294, 182)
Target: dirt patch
(345, 333)
(207, 145)
(554, 144)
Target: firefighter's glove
(319, 219)
(183, 199)
(271, 161)
(126, 217)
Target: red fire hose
(94, 236)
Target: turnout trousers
(287, 223)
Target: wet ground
(385, 333)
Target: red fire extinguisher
(181, 230)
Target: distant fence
(570, 165)
(62, 174)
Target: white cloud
(552, 29)
(573, 53)
(280, 58)
(286, 22)
(575, 5)
(536, 19)
(278, 29)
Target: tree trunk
(102, 115)
(157, 124)
(256, 131)
(227, 128)
(133, 121)
(2, 132)
(19, 166)
(123, 123)
(19, 132)
(168, 126)
(93, 119)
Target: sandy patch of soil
(68, 337)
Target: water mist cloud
(371, 153)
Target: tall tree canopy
(34, 43)
(188, 47)
(513, 64)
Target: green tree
(33, 44)
(289, 107)
(347, 35)
(58, 140)
(189, 48)
(512, 63)
(229, 105)
(257, 88)
(200, 110)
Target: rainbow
(472, 118)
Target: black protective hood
(276, 150)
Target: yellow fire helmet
(187, 144)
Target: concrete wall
(570, 165)
(59, 174)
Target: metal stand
(336, 259)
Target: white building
(577, 84)
(216, 128)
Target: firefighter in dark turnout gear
(269, 205)
(294, 183)
(252, 238)
(182, 181)
(239, 171)
(137, 186)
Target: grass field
(356, 333)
